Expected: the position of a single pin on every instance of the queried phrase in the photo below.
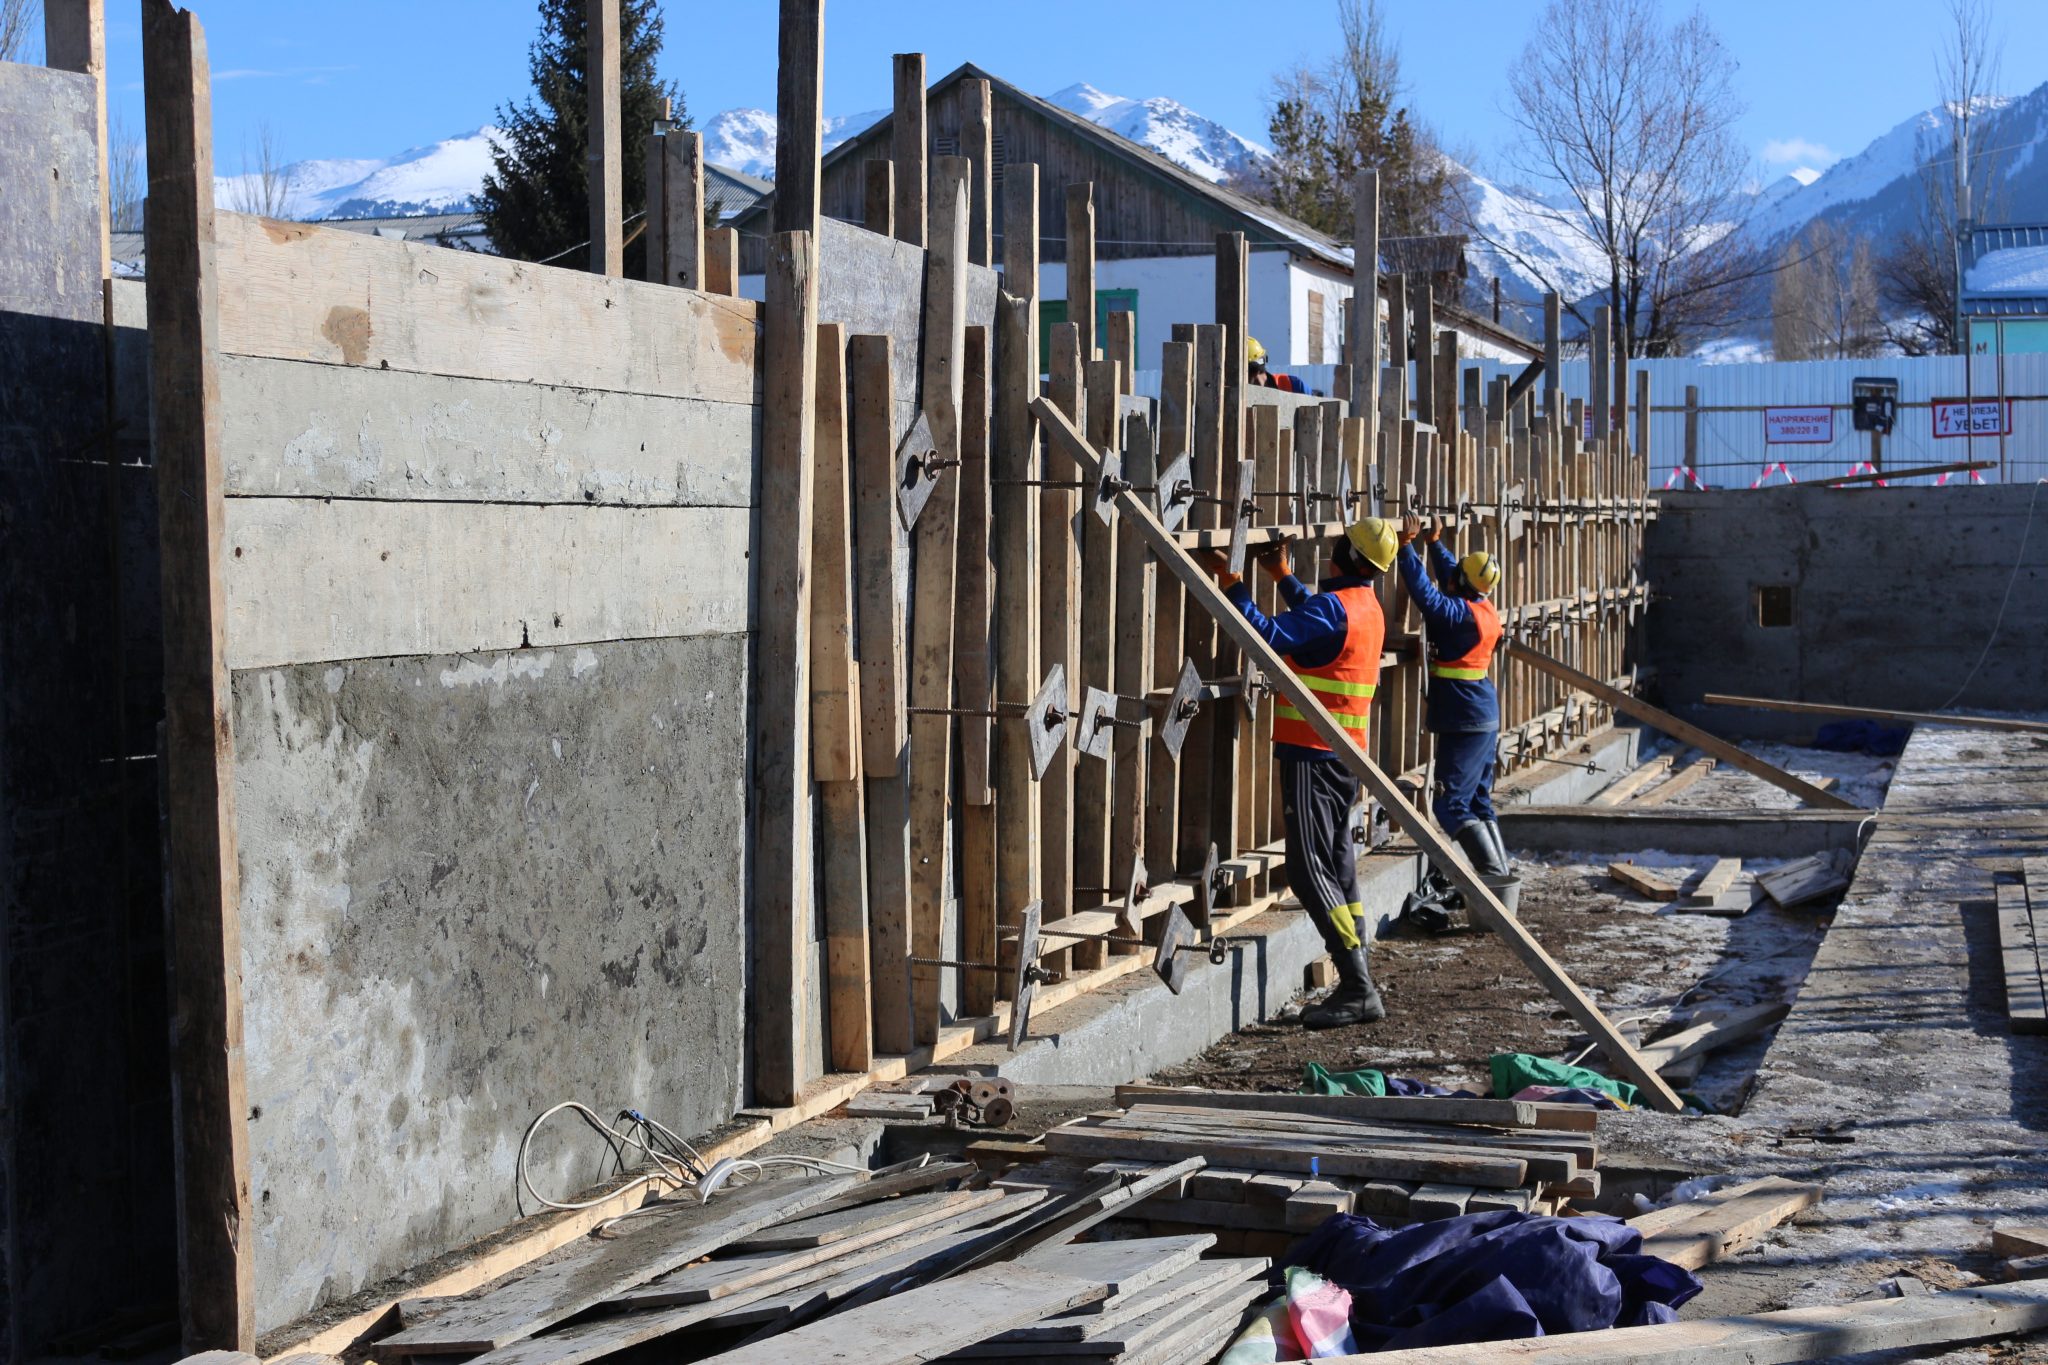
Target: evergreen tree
(535, 200)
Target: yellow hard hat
(1254, 352)
(1374, 538)
(1481, 570)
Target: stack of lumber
(1805, 880)
(1281, 1164)
(908, 1264)
(2023, 946)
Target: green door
(1052, 312)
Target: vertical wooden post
(602, 159)
(907, 148)
(1014, 542)
(1098, 660)
(782, 777)
(1398, 337)
(931, 616)
(835, 723)
(1059, 629)
(1642, 419)
(1133, 647)
(1692, 433)
(654, 239)
(1618, 341)
(799, 94)
(1121, 346)
(722, 262)
(1553, 351)
(1081, 265)
(1198, 749)
(1365, 286)
(216, 1266)
(75, 39)
(878, 200)
(1424, 312)
(683, 192)
(1599, 370)
(1444, 393)
(877, 539)
(974, 674)
(977, 144)
(1162, 776)
(1232, 303)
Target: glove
(1218, 564)
(1273, 559)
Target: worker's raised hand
(1411, 527)
(1218, 565)
(1273, 559)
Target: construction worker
(1332, 640)
(1257, 373)
(1464, 710)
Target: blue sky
(371, 77)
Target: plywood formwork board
(1411, 821)
(295, 292)
(216, 1254)
(1099, 624)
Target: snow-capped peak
(441, 177)
(1169, 128)
(1084, 99)
(744, 139)
(1805, 175)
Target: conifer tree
(535, 200)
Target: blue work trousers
(1464, 778)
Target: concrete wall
(85, 1172)
(1895, 594)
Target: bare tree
(17, 22)
(265, 186)
(1633, 120)
(1824, 298)
(1957, 176)
(125, 183)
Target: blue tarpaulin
(1492, 1277)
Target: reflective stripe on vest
(1346, 684)
(1471, 666)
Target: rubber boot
(1479, 850)
(1500, 847)
(1355, 1001)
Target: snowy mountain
(441, 177)
(1169, 128)
(744, 139)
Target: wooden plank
(1206, 449)
(1643, 882)
(1124, 1266)
(1162, 769)
(1713, 1034)
(1218, 1183)
(1727, 1221)
(202, 889)
(931, 617)
(604, 159)
(1681, 730)
(1099, 622)
(907, 143)
(835, 683)
(977, 143)
(1684, 778)
(2019, 945)
(1434, 1201)
(1013, 537)
(824, 1229)
(722, 262)
(878, 201)
(1620, 790)
(842, 871)
(1232, 278)
(799, 95)
(974, 677)
(1715, 883)
(1059, 631)
(291, 291)
(1364, 315)
(1580, 1152)
(1794, 1334)
(1810, 708)
(1080, 266)
(2015, 1239)
(1478, 898)
(75, 39)
(1135, 641)
(1420, 1109)
(1806, 879)
(1334, 1158)
(781, 790)
(597, 1270)
(1543, 1162)
(654, 246)
(1119, 1325)
(1894, 475)
(683, 189)
(1315, 1203)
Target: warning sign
(1964, 417)
(1799, 426)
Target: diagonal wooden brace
(1478, 899)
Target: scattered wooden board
(1629, 784)
(1716, 882)
(1808, 708)
(1420, 1109)
(1715, 1033)
(1803, 880)
(876, 1104)
(1332, 1158)
(1203, 1334)
(1643, 881)
(1723, 1222)
(2018, 1239)
(2020, 923)
(909, 1211)
(1121, 1325)
(1958, 1315)
(1684, 778)
(1124, 1266)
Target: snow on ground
(1861, 779)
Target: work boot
(1478, 845)
(1355, 1001)
(1500, 848)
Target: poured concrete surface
(1895, 1081)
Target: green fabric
(1514, 1072)
(1321, 1081)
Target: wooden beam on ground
(75, 39)
(931, 616)
(1013, 538)
(1812, 708)
(2022, 917)
(682, 187)
(1620, 790)
(1794, 1334)
(1479, 900)
(1720, 1224)
(1713, 1034)
(1643, 882)
(1392, 1108)
(1718, 879)
(907, 148)
(202, 884)
(603, 159)
(781, 719)
(799, 94)
(1684, 779)
(1676, 728)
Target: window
(1774, 605)
(1315, 328)
(1053, 312)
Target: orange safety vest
(1471, 666)
(1346, 684)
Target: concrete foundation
(1726, 834)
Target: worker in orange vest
(1464, 710)
(1332, 640)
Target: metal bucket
(1506, 890)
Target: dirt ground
(1454, 1001)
